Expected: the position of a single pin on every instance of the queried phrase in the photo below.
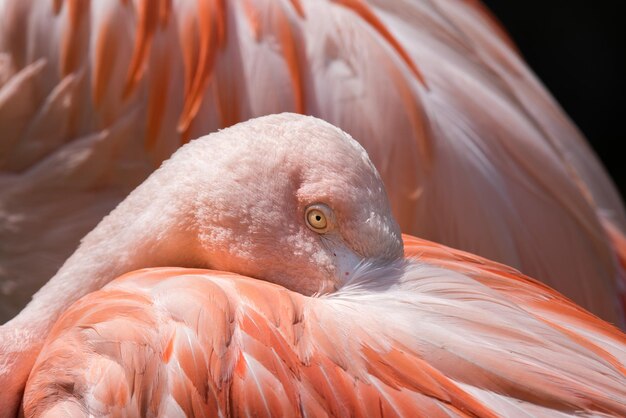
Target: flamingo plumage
(474, 152)
(176, 342)
(334, 319)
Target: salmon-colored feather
(290, 54)
(148, 18)
(158, 100)
(226, 344)
(221, 17)
(104, 61)
(73, 44)
(362, 9)
(205, 61)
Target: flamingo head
(285, 198)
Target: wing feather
(445, 333)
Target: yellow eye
(317, 218)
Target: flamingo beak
(346, 261)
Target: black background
(577, 48)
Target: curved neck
(141, 232)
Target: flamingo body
(474, 152)
(332, 317)
(444, 333)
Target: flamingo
(474, 152)
(332, 318)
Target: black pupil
(318, 218)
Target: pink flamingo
(474, 152)
(332, 319)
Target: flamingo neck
(135, 235)
(76, 278)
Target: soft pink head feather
(235, 200)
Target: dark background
(577, 48)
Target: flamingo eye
(318, 218)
